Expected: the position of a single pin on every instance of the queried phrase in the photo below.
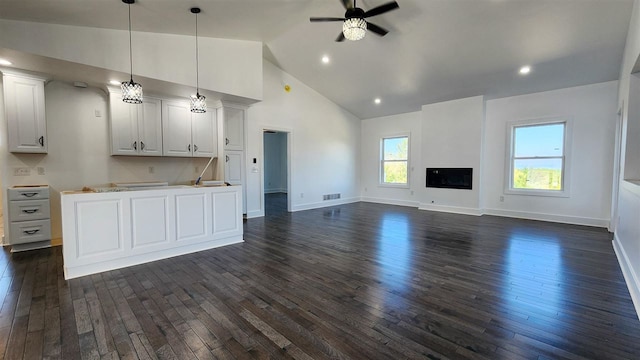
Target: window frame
(566, 157)
(381, 162)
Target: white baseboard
(390, 201)
(450, 209)
(254, 214)
(630, 277)
(565, 219)
(322, 204)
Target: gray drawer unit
(29, 210)
(30, 231)
(29, 217)
(33, 192)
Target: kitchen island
(113, 229)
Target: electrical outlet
(197, 169)
(411, 192)
(301, 195)
(98, 113)
(365, 189)
(40, 170)
(501, 198)
(21, 171)
(151, 170)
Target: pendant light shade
(131, 91)
(198, 102)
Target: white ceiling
(436, 50)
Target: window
(538, 161)
(394, 162)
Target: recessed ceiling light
(525, 70)
(115, 82)
(377, 100)
(325, 59)
(5, 62)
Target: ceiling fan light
(131, 92)
(198, 103)
(354, 28)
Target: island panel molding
(111, 230)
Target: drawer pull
(30, 232)
(29, 194)
(29, 211)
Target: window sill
(541, 193)
(394, 186)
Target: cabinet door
(176, 129)
(150, 128)
(123, 118)
(233, 128)
(234, 162)
(24, 102)
(204, 134)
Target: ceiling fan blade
(348, 4)
(376, 29)
(325, 19)
(381, 9)
(340, 37)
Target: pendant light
(198, 102)
(131, 91)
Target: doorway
(276, 172)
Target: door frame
(289, 133)
(617, 167)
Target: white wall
(275, 162)
(452, 137)
(371, 133)
(325, 143)
(79, 150)
(627, 233)
(226, 66)
(592, 111)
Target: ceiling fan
(354, 26)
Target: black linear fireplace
(450, 178)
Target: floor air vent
(330, 196)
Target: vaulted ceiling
(436, 50)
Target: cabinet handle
(41, 141)
(31, 194)
(189, 147)
(226, 141)
(135, 145)
(141, 145)
(226, 158)
(30, 232)
(29, 211)
(195, 148)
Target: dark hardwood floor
(359, 281)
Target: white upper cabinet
(25, 112)
(135, 129)
(176, 128)
(150, 127)
(188, 134)
(233, 127)
(204, 134)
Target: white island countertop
(113, 229)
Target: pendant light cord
(197, 61)
(130, 46)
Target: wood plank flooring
(358, 281)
